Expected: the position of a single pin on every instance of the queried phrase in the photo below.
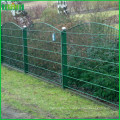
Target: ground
(35, 97)
(7, 112)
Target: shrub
(6, 16)
(36, 11)
(95, 60)
(51, 16)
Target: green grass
(86, 16)
(45, 100)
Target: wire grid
(44, 54)
(12, 45)
(92, 56)
(93, 61)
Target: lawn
(47, 101)
(105, 13)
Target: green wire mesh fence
(84, 58)
(12, 45)
(93, 61)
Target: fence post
(25, 52)
(64, 57)
(1, 45)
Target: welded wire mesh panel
(92, 61)
(92, 56)
(44, 51)
(12, 45)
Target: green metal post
(64, 57)
(25, 49)
(1, 45)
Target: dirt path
(8, 112)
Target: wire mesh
(92, 62)
(12, 45)
(44, 54)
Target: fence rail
(84, 58)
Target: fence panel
(84, 58)
(12, 45)
(93, 61)
(44, 52)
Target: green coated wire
(52, 71)
(44, 59)
(92, 46)
(49, 51)
(92, 95)
(33, 48)
(12, 59)
(91, 34)
(92, 59)
(12, 24)
(91, 83)
(64, 75)
(12, 44)
(42, 31)
(67, 65)
(44, 40)
(33, 65)
(105, 25)
(92, 71)
(76, 79)
(11, 29)
(44, 69)
(32, 39)
(63, 54)
(44, 78)
(12, 51)
(38, 76)
(33, 56)
(44, 50)
(64, 43)
(11, 36)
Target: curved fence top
(93, 27)
(12, 23)
(94, 23)
(41, 25)
(78, 25)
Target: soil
(7, 112)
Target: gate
(84, 58)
